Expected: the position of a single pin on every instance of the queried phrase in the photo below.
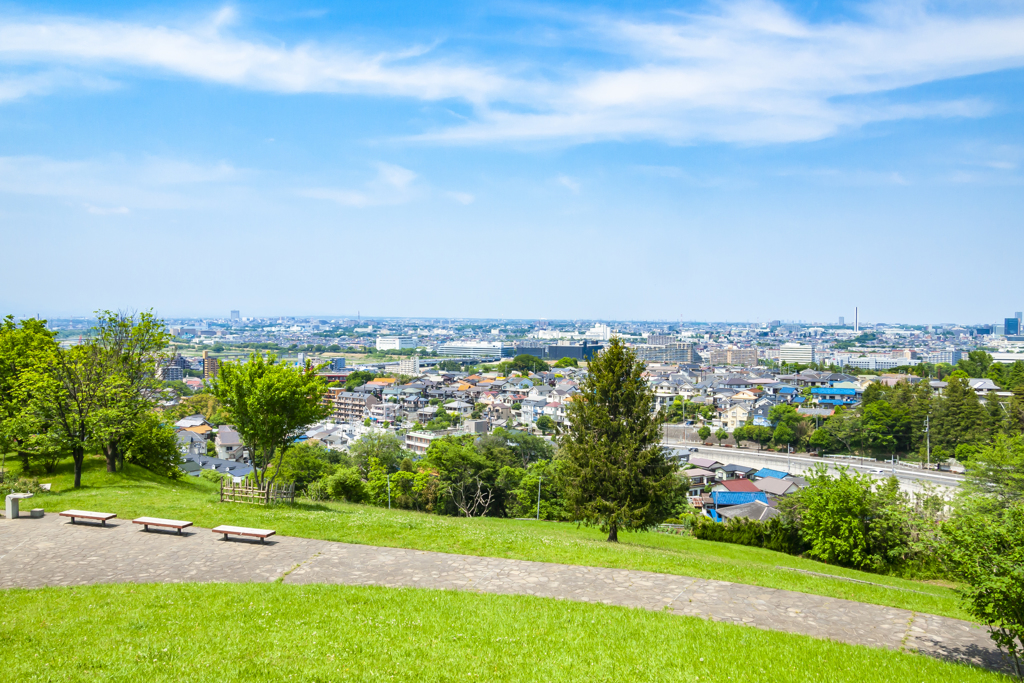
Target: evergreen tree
(960, 417)
(616, 475)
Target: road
(805, 462)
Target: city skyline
(552, 160)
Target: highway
(804, 462)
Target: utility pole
(389, 490)
(539, 479)
(928, 441)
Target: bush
(212, 475)
(20, 485)
(317, 491)
(154, 445)
(346, 484)
(775, 534)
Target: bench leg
(179, 532)
(72, 520)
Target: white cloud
(747, 71)
(114, 184)
(205, 52)
(391, 186)
(107, 210)
(571, 183)
(463, 198)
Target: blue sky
(724, 161)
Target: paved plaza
(53, 552)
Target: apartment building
(350, 406)
(675, 352)
(210, 366)
(733, 355)
(792, 352)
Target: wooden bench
(147, 522)
(261, 534)
(85, 514)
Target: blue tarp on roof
(787, 390)
(828, 391)
(768, 472)
(723, 498)
(714, 516)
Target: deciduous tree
(269, 404)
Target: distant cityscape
(869, 346)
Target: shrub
(212, 475)
(317, 490)
(346, 484)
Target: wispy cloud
(107, 210)
(113, 185)
(747, 71)
(393, 185)
(571, 183)
(463, 198)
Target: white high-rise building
(791, 352)
(395, 343)
(409, 366)
(599, 332)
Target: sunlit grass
(270, 632)
(137, 492)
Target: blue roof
(767, 472)
(714, 516)
(787, 390)
(834, 392)
(737, 497)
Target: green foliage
(346, 484)
(997, 471)
(985, 552)
(721, 435)
(268, 403)
(545, 423)
(775, 534)
(844, 520)
(616, 473)
(152, 444)
(567, 362)
(466, 478)
(304, 463)
(526, 363)
(357, 379)
(704, 432)
(523, 486)
(213, 475)
(204, 403)
(384, 446)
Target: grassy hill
(270, 632)
(136, 492)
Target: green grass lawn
(137, 492)
(263, 632)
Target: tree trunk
(613, 533)
(110, 449)
(78, 454)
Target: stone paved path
(53, 552)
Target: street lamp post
(539, 479)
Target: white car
(878, 471)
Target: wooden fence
(243, 492)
